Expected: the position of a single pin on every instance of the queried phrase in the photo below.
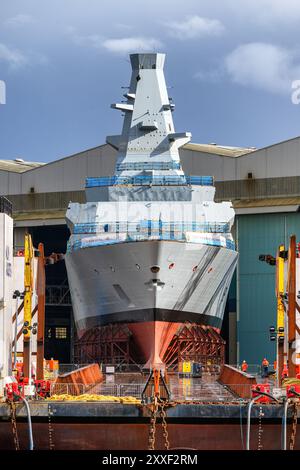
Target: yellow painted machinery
(28, 290)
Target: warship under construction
(150, 247)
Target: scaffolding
(110, 344)
(196, 343)
(114, 344)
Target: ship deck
(202, 414)
(206, 389)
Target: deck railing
(5, 206)
(145, 180)
(119, 238)
(150, 227)
(140, 166)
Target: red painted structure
(117, 344)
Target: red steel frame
(109, 344)
(113, 344)
(196, 343)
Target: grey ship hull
(114, 284)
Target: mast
(148, 143)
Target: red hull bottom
(153, 339)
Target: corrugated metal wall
(259, 234)
(258, 188)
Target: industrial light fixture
(269, 259)
(16, 294)
(276, 333)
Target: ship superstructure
(150, 247)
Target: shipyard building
(263, 185)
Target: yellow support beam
(280, 288)
(28, 282)
(28, 289)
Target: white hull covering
(114, 283)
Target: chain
(260, 429)
(158, 406)
(152, 430)
(13, 419)
(50, 428)
(294, 427)
(164, 424)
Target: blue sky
(230, 65)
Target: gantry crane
(287, 306)
(28, 328)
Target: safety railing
(252, 369)
(121, 367)
(5, 206)
(150, 227)
(67, 389)
(184, 389)
(117, 238)
(66, 368)
(145, 180)
(106, 389)
(119, 390)
(201, 390)
(210, 392)
(140, 166)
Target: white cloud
(16, 59)
(267, 13)
(93, 40)
(19, 20)
(195, 27)
(2, 92)
(13, 57)
(212, 75)
(123, 26)
(263, 66)
(132, 44)
(116, 45)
